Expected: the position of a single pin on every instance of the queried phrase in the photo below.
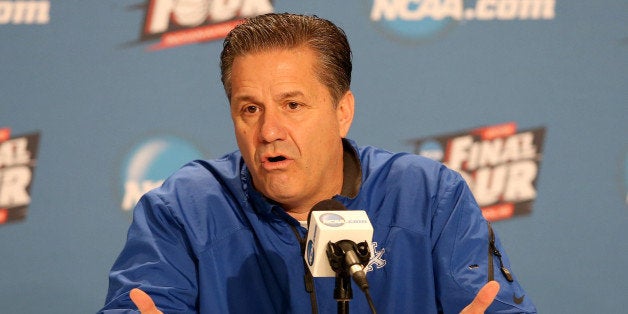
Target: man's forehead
(283, 73)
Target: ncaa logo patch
(310, 252)
(332, 220)
(149, 163)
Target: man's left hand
(483, 299)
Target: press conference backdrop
(101, 100)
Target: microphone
(333, 232)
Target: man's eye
(293, 105)
(251, 109)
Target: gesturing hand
(483, 299)
(143, 302)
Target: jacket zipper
(491, 243)
(494, 252)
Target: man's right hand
(143, 302)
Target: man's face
(287, 127)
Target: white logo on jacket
(376, 260)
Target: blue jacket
(207, 242)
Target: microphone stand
(343, 292)
(343, 256)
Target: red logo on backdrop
(183, 22)
(500, 164)
(17, 162)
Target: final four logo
(499, 163)
(18, 156)
(182, 22)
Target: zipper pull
(506, 273)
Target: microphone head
(326, 205)
(330, 221)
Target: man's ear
(344, 113)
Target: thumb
(483, 299)
(143, 302)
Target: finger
(483, 299)
(143, 302)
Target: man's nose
(272, 127)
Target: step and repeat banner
(100, 101)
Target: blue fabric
(207, 242)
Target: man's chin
(279, 192)
(281, 197)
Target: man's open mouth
(276, 158)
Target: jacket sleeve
(463, 258)
(157, 259)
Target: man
(225, 235)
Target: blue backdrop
(116, 117)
